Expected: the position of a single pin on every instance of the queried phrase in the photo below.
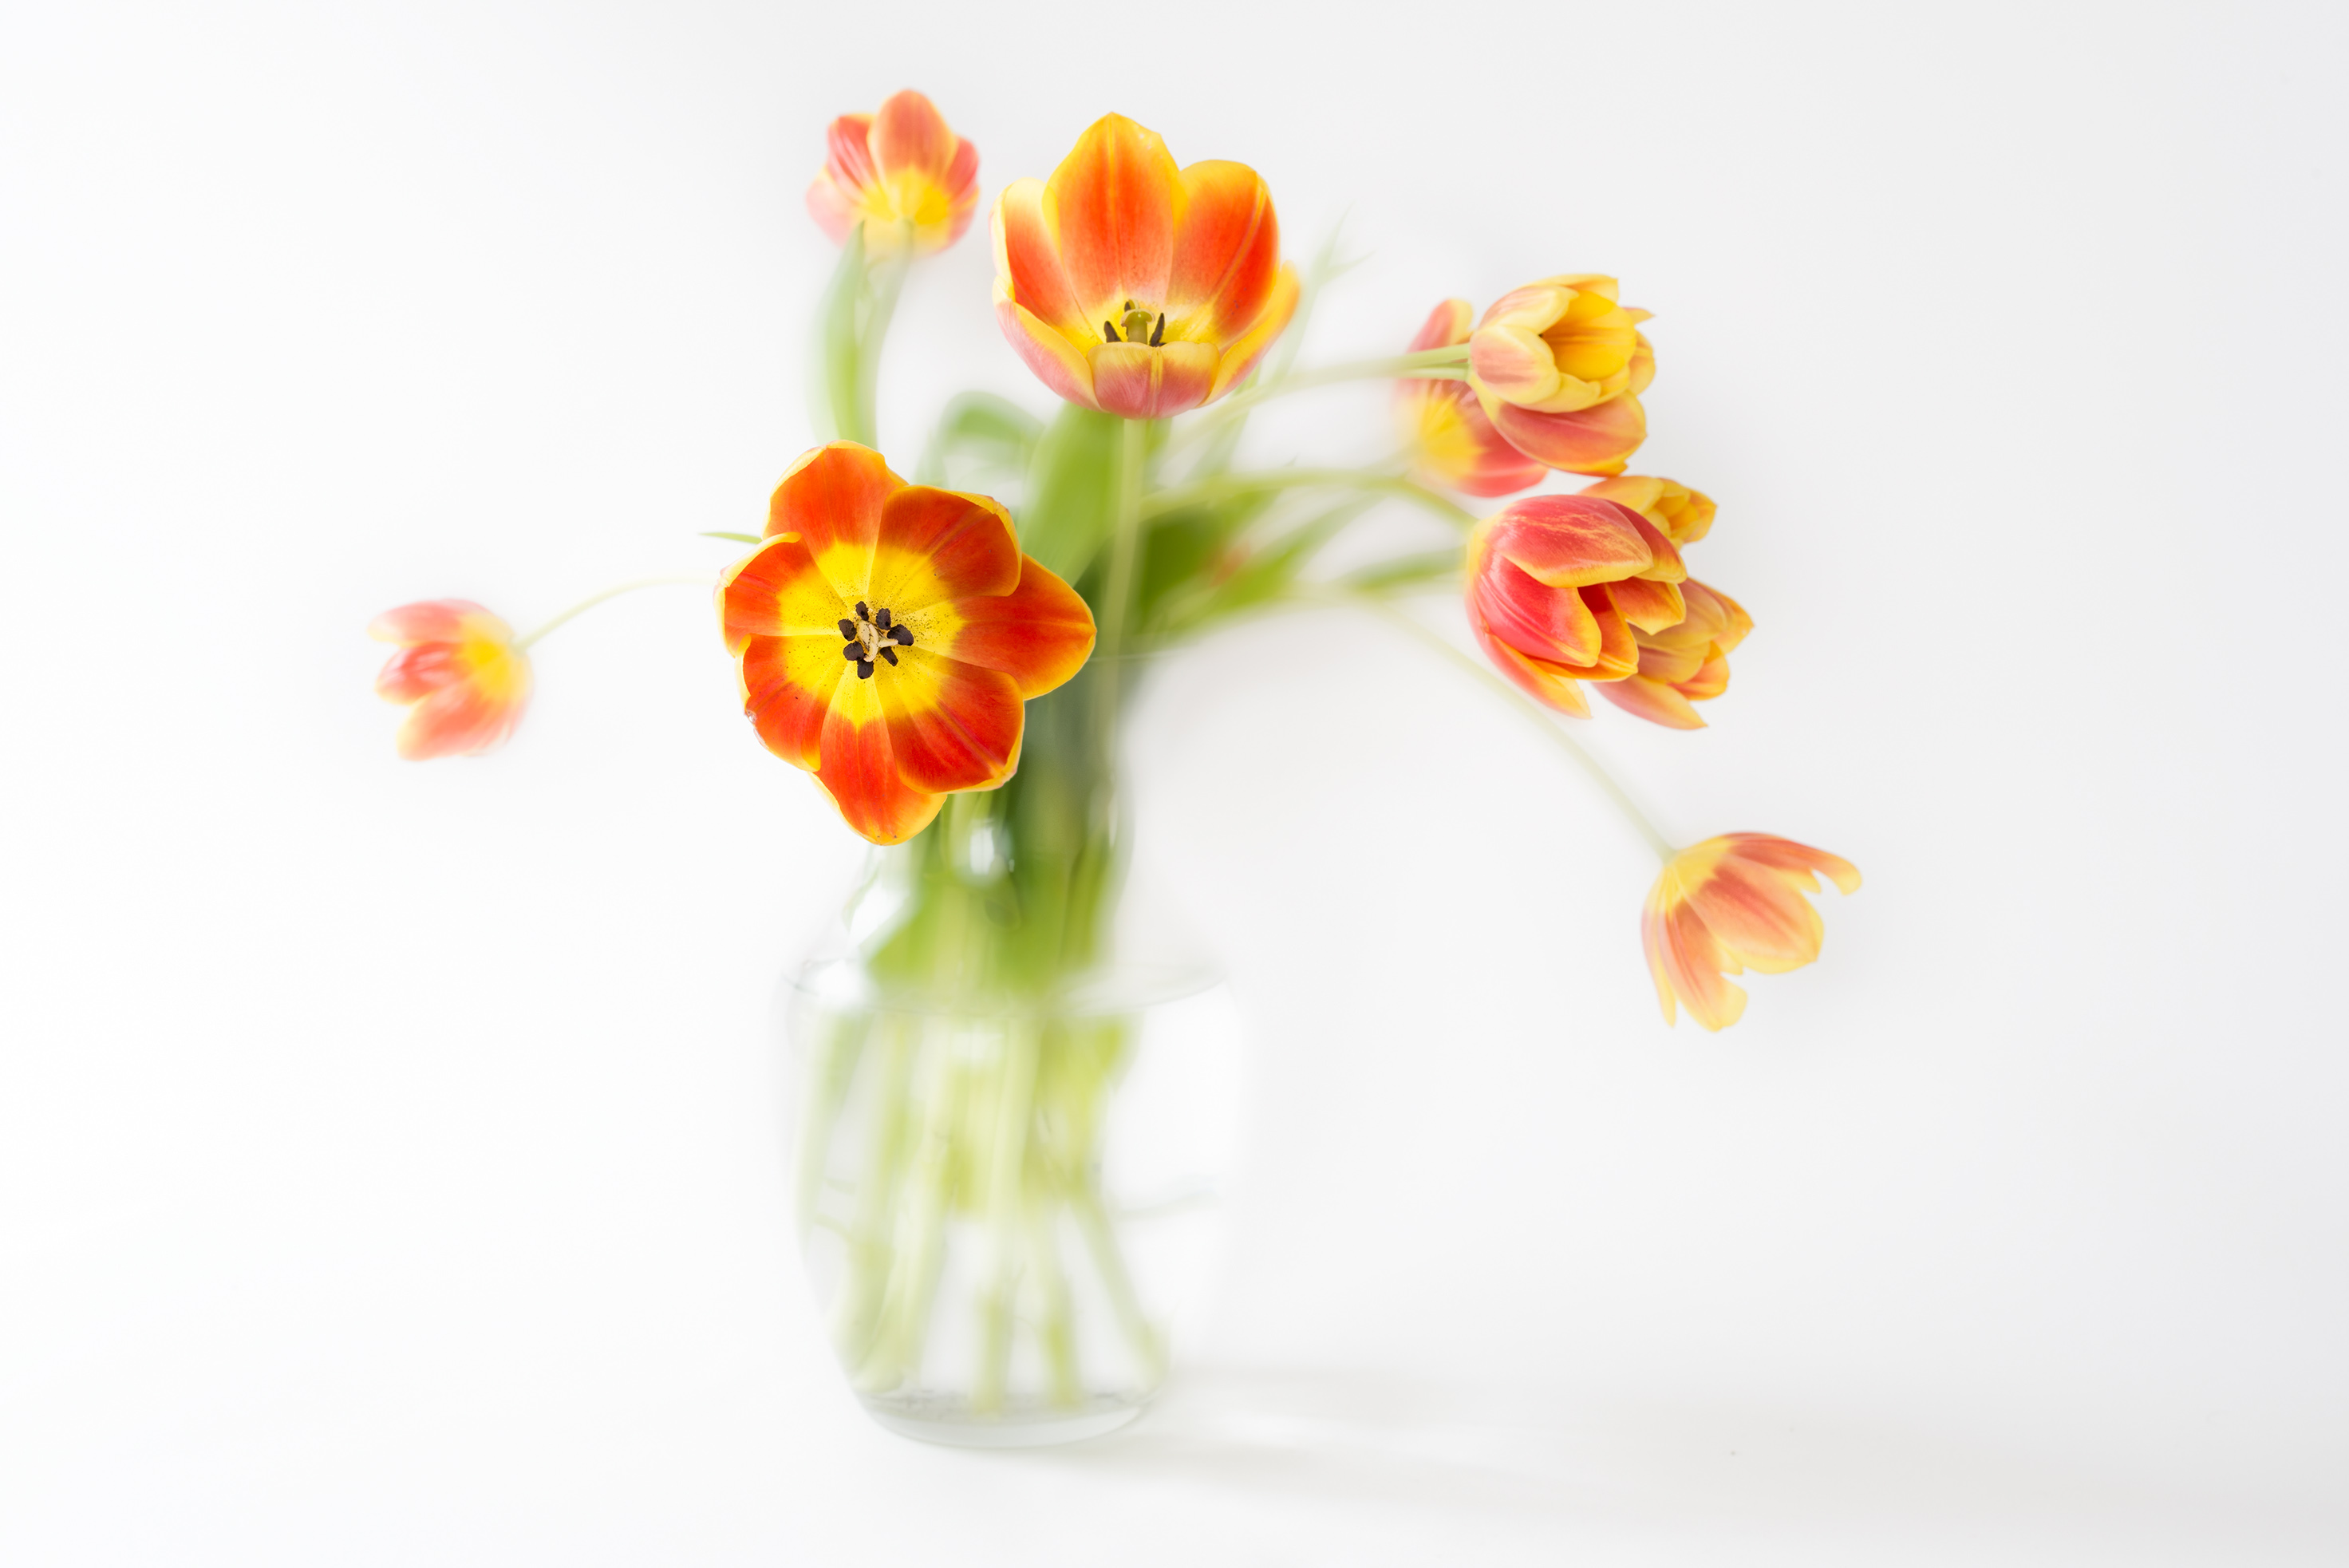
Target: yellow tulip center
(871, 637)
(1140, 326)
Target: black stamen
(848, 629)
(903, 635)
(1129, 305)
(862, 613)
(1110, 332)
(864, 670)
(853, 651)
(1158, 333)
(888, 653)
(881, 619)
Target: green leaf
(1406, 572)
(744, 538)
(1072, 491)
(989, 431)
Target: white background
(389, 1164)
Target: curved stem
(1537, 714)
(1431, 364)
(706, 579)
(1223, 487)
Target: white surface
(388, 1170)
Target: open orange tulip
(889, 635)
(1443, 428)
(902, 174)
(460, 672)
(1557, 585)
(1728, 905)
(1559, 366)
(1135, 288)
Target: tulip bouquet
(953, 667)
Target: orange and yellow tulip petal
(1451, 443)
(464, 682)
(902, 174)
(1039, 634)
(1728, 905)
(1684, 516)
(888, 634)
(1683, 662)
(1133, 287)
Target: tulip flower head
(1559, 366)
(457, 669)
(1728, 905)
(888, 636)
(902, 174)
(1136, 288)
(1560, 584)
(1452, 443)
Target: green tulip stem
(1533, 712)
(704, 579)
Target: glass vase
(1016, 1098)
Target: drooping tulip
(1559, 366)
(1557, 587)
(1136, 288)
(902, 174)
(464, 682)
(1443, 428)
(1728, 905)
(889, 635)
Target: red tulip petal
(787, 687)
(1139, 382)
(934, 545)
(777, 591)
(952, 726)
(1028, 267)
(1112, 200)
(1795, 860)
(1568, 541)
(859, 769)
(1596, 439)
(435, 620)
(848, 151)
(910, 134)
(1543, 622)
(832, 499)
(461, 718)
(1447, 326)
(1226, 251)
(1653, 700)
(1758, 919)
(1039, 634)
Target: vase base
(953, 1423)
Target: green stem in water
(1534, 712)
(705, 580)
(1227, 486)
